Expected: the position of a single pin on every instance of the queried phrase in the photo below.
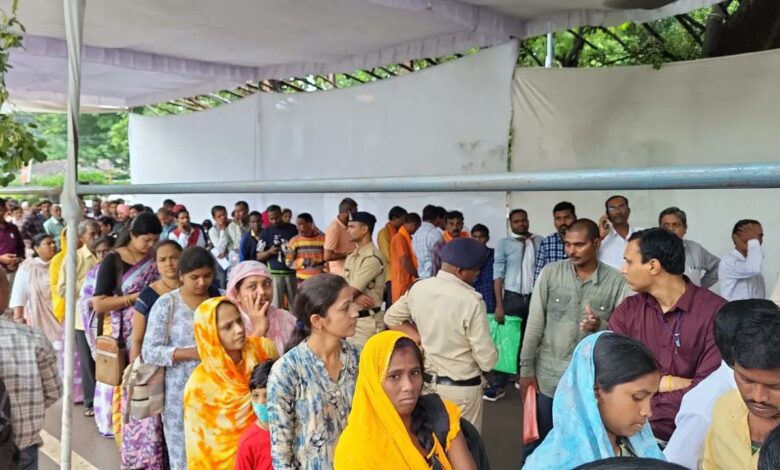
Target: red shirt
(254, 450)
(695, 356)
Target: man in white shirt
(686, 447)
(740, 271)
(615, 231)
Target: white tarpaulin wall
(709, 111)
(452, 119)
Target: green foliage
(102, 136)
(18, 145)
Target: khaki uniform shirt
(452, 320)
(364, 270)
(557, 308)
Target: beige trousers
(367, 327)
(468, 399)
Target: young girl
(254, 449)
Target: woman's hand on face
(256, 307)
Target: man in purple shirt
(673, 317)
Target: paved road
(502, 433)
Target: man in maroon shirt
(673, 317)
(11, 245)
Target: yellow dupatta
(217, 399)
(58, 303)
(375, 436)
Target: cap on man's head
(464, 253)
(365, 218)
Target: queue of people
(283, 346)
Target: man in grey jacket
(701, 266)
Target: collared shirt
(451, 318)
(740, 276)
(383, 240)
(29, 371)
(686, 447)
(695, 356)
(484, 282)
(54, 227)
(338, 240)
(11, 240)
(166, 230)
(508, 263)
(557, 308)
(364, 270)
(235, 233)
(220, 239)
(729, 446)
(701, 266)
(550, 250)
(85, 261)
(613, 247)
(424, 242)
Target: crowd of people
(253, 342)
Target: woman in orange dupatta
(388, 427)
(217, 398)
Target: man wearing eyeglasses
(615, 231)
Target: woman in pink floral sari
(122, 275)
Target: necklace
(167, 286)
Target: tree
(17, 144)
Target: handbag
(530, 425)
(145, 386)
(110, 352)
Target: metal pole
(71, 210)
(729, 176)
(550, 59)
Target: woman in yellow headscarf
(217, 399)
(388, 427)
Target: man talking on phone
(615, 231)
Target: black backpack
(9, 453)
(441, 427)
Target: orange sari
(217, 399)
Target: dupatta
(578, 435)
(217, 398)
(375, 436)
(38, 306)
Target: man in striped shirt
(306, 253)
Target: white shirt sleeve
(686, 447)
(743, 269)
(21, 289)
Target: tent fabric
(147, 51)
(381, 129)
(685, 113)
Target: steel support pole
(728, 176)
(549, 60)
(71, 210)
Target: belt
(368, 312)
(516, 294)
(440, 379)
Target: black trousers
(515, 305)
(87, 368)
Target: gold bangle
(669, 383)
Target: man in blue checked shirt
(551, 249)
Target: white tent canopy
(147, 51)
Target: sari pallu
(108, 398)
(217, 398)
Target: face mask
(261, 411)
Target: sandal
(89, 412)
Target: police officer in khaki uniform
(364, 270)
(448, 318)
